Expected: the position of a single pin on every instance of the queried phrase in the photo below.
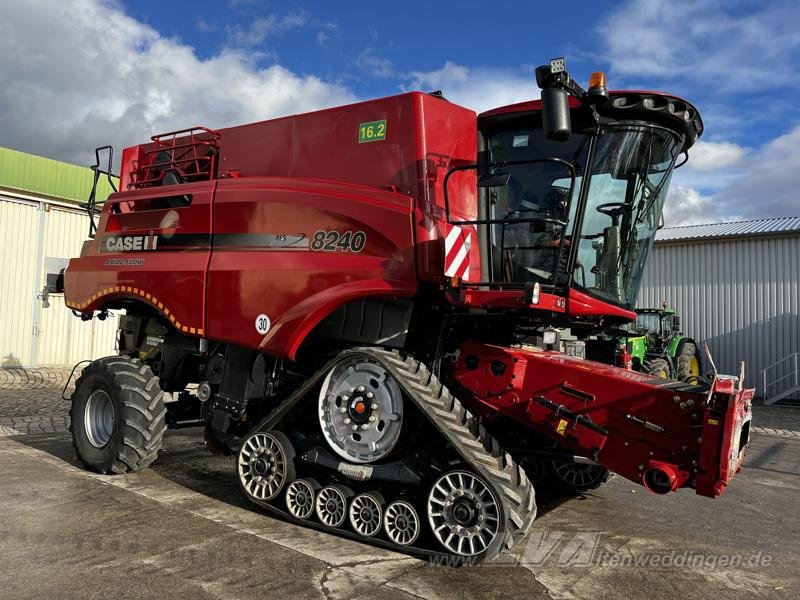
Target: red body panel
(614, 416)
(290, 177)
(296, 287)
(425, 137)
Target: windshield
(629, 177)
(649, 322)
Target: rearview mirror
(555, 114)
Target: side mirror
(555, 114)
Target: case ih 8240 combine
(387, 310)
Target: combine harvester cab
(397, 314)
(568, 239)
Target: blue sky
(81, 73)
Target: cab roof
(664, 109)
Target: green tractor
(658, 347)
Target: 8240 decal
(332, 241)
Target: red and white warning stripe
(456, 250)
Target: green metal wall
(47, 177)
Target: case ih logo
(129, 243)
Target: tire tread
(143, 411)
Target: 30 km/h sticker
(262, 324)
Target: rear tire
(117, 415)
(657, 367)
(687, 363)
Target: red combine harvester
(393, 312)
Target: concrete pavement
(182, 529)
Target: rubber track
(143, 411)
(461, 429)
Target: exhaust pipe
(662, 478)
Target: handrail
(190, 153)
(793, 373)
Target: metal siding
(63, 339)
(18, 226)
(742, 296)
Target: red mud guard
(659, 433)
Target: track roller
(265, 464)
(331, 504)
(463, 513)
(366, 514)
(401, 523)
(300, 497)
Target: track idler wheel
(463, 513)
(401, 523)
(300, 497)
(366, 514)
(265, 464)
(331, 504)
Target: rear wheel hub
(359, 409)
(465, 513)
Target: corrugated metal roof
(48, 177)
(752, 228)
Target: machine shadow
(186, 462)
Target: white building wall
(742, 296)
(31, 232)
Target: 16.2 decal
(333, 241)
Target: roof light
(597, 85)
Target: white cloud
(713, 166)
(204, 26)
(769, 184)
(732, 46)
(477, 88)
(263, 27)
(374, 65)
(711, 156)
(81, 74)
(738, 183)
(685, 206)
(737, 60)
